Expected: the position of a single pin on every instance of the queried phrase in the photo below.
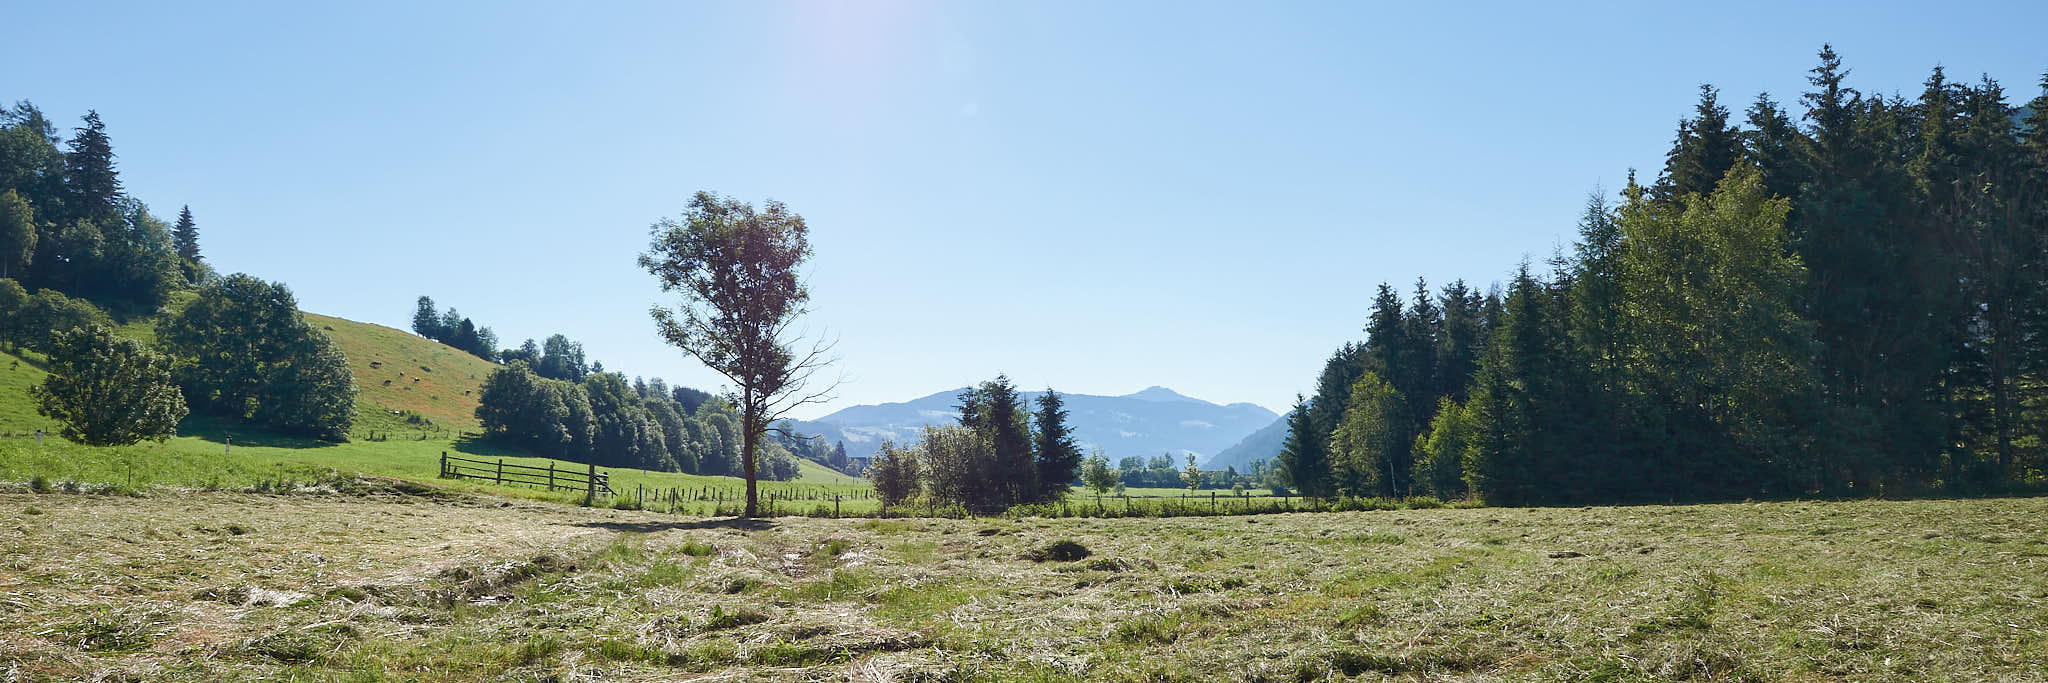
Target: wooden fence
(591, 482)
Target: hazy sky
(1094, 196)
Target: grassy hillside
(417, 399)
(17, 413)
(398, 371)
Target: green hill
(399, 373)
(416, 400)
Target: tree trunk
(2000, 400)
(751, 437)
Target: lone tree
(108, 391)
(736, 268)
(1097, 474)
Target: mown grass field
(381, 585)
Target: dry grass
(384, 585)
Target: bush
(108, 391)
(243, 351)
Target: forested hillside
(1845, 300)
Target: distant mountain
(1143, 424)
(1261, 445)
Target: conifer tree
(995, 412)
(185, 236)
(1333, 392)
(1464, 331)
(1057, 456)
(1304, 455)
(1706, 146)
(95, 187)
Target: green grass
(417, 399)
(17, 412)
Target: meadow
(417, 401)
(386, 582)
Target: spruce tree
(994, 411)
(1464, 331)
(1057, 455)
(1305, 456)
(185, 236)
(95, 187)
(1333, 391)
(1706, 146)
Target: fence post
(444, 463)
(1212, 501)
(501, 472)
(835, 506)
(551, 476)
(590, 486)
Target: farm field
(397, 582)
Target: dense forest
(1850, 303)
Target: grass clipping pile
(239, 585)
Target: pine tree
(1772, 143)
(1057, 455)
(1706, 146)
(1333, 392)
(1305, 456)
(185, 236)
(1875, 280)
(994, 411)
(95, 187)
(1464, 331)
(1507, 466)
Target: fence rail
(590, 481)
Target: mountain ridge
(1144, 423)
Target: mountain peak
(1160, 394)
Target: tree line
(1848, 304)
(996, 456)
(601, 419)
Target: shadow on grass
(476, 445)
(22, 356)
(739, 523)
(219, 429)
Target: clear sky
(1094, 196)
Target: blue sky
(1093, 196)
